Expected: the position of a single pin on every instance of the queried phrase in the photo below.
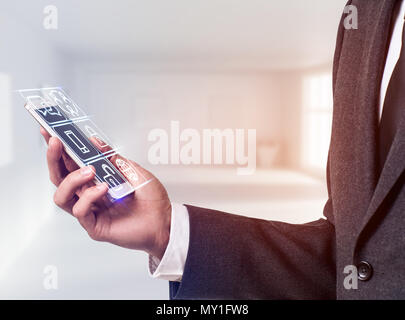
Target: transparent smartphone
(82, 139)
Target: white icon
(110, 179)
(126, 169)
(46, 107)
(67, 105)
(100, 143)
(71, 135)
(50, 110)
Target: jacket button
(364, 271)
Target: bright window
(317, 120)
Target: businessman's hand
(141, 221)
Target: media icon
(65, 103)
(127, 169)
(110, 177)
(96, 137)
(106, 172)
(50, 113)
(77, 141)
(79, 144)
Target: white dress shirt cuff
(171, 266)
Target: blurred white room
(139, 65)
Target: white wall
(26, 61)
(128, 101)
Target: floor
(93, 270)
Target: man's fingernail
(86, 171)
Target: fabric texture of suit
(234, 257)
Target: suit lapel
(393, 168)
(359, 67)
(394, 164)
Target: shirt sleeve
(171, 266)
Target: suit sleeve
(234, 257)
